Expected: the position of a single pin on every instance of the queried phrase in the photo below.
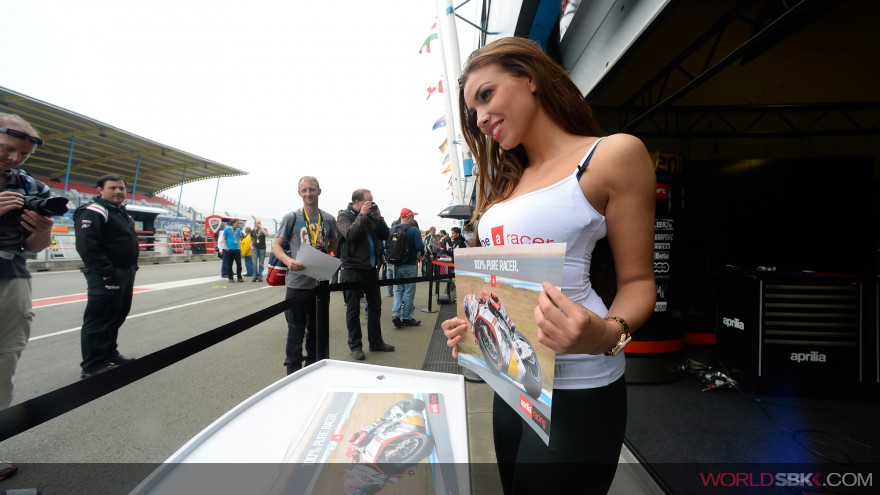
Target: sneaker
(358, 354)
(120, 359)
(89, 374)
(412, 322)
(240, 280)
(255, 280)
(231, 281)
(397, 322)
(382, 348)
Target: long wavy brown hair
(499, 171)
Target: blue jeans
(248, 266)
(258, 256)
(389, 275)
(404, 294)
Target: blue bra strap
(586, 163)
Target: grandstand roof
(103, 149)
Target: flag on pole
(443, 146)
(435, 89)
(426, 46)
(447, 169)
(445, 160)
(441, 122)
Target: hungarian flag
(426, 46)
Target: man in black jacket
(107, 243)
(363, 229)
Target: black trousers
(369, 277)
(586, 434)
(109, 302)
(300, 324)
(234, 255)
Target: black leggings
(586, 434)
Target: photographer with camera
(363, 229)
(23, 231)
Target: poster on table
(497, 288)
(335, 428)
(371, 442)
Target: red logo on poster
(662, 191)
(336, 438)
(434, 404)
(498, 235)
(525, 405)
(539, 419)
(492, 280)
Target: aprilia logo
(735, 323)
(810, 357)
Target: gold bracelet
(625, 338)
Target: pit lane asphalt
(112, 443)
(149, 420)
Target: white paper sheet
(319, 266)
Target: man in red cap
(404, 294)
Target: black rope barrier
(34, 412)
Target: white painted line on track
(62, 332)
(81, 297)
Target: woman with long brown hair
(545, 173)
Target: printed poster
(364, 442)
(497, 288)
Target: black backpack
(397, 250)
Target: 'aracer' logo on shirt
(499, 238)
(498, 235)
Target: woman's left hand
(567, 327)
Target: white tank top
(560, 213)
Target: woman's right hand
(454, 329)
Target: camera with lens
(374, 208)
(11, 233)
(47, 207)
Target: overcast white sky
(277, 88)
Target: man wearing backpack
(404, 250)
(317, 228)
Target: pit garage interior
(763, 120)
